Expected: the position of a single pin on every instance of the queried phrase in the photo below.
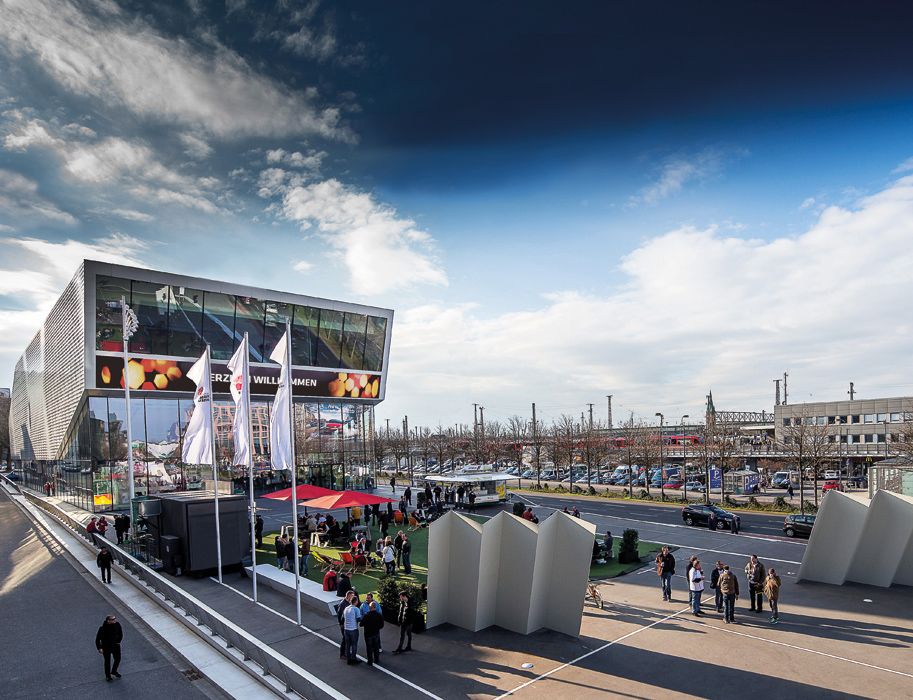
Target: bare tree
(630, 431)
(4, 429)
(517, 437)
(809, 443)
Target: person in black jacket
(405, 618)
(258, 530)
(405, 550)
(107, 641)
(714, 584)
(372, 622)
(104, 561)
(665, 567)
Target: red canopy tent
(345, 499)
(302, 492)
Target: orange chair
(398, 517)
(414, 524)
(348, 560)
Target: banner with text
(153, 374)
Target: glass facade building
(68, 413)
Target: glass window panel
(249, 319)
(108, 293)
(117, 428)
(882, 417)
(353, 340)
(896, 418)
(223, 417)
(305, 335)
(98, 428)
(259, 424)
(329, 345)
(274, 326)
(869, 418)
(185, 322)
(163, 444)
(219, 324)
(150, 302)
(374, 343)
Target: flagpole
(215, 461)
(250, 467)
(291, 429)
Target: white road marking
(798, 648)
(335, 643)
(590, 653)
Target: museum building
(68, 406)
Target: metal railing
(271, 663)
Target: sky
(648, 200)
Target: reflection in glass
(185, 322)
(219, 324)
(259, 425)
(374, 343)
(150, 302)
(353, 341)
(108, 293)
(100, 449)
(304, 335)
(274, 326)
(249, 318)
(162, 444)
(329, 346)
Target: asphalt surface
(51, 613)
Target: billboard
(165, 375)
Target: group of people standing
(352, 614)
(762, 583)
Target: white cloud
(271, 182)
(380, 250)
(904, 167)
(310, 162)
(194, 146)
(310, 43)
(303, 266)
(694, 309)
(132, 215)
(676, 172)
(808, 203)
(126, 63)
(21, 201)
(31, 133)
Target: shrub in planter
(627, 552)
(644, 495)
(590, 490)
(519, 508)
(754, 502)
(388, 592)
(810, 507)
(781, 504)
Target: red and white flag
(239, 368)
(280, 433)
(197, 447)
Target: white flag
(280, 434)
(239, 368)
(198, 437)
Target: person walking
(405, 551)
(711, 521)
(281, 552)
(104, 561)
(47, 488)
(107, 641)
(607, 544)
(389, 557)
(102, 526)
(789, 491)
(729, 587)
(258, 530)
(405, 618)
(665, 569)
(398, 546)
(340, 608)
(304, 552)
(688, 577)
(373, 622)
(460, 493)
(472, 500)
(772, 591)
(715, 585)
(696, 580)
(408, 495)
(755, 574)
(350, 618)
(393, 483)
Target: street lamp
(662, 492)
(684, 492)
(129, 326)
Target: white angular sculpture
(509, 572)
(862, 541)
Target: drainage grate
(191, 674)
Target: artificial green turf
(367, 582)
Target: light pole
(684, 493)
(129, 326)
(662, 492)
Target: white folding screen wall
(509, 572)
(862, 541)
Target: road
(51, 612)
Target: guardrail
(293, 677)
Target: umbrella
(302, 492)
(345, 499)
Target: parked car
(672, 485)
(859, 482)
(549, 476)
(699, 514)
(831, 474)
(694, 486)
(13, 476)
(798, 525)
(832, 485)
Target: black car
(697, 514)
(798, 525)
